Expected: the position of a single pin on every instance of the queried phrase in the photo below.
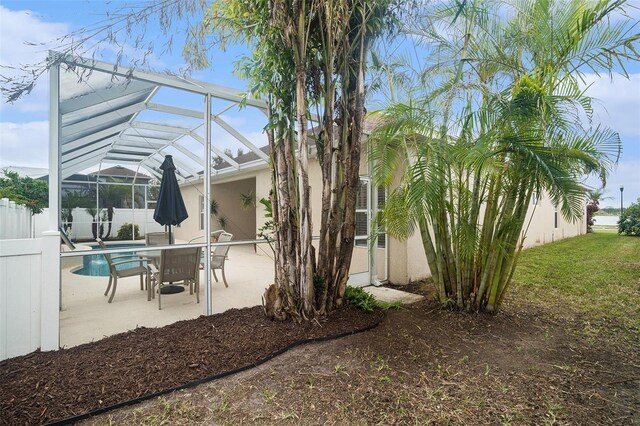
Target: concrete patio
(86, 316)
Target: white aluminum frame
(101, 125)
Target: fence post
(50, 294)
(12, 220)
(4, 223)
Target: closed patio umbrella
(170, 209)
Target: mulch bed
(45, 387)
(422, 365)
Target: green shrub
(629, 223)
(124, 233)
(356, 296)
(360, 298)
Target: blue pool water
(96, 265)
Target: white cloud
(24, 143)
(20, 26)
(25, 40)
(617, 102)
(17, 28)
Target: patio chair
(214, 237)
(158, 239)
(115, 273)
(219, 256)
(176, 265)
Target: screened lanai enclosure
(111, 130)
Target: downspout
(373, 246)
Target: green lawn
(596, 275)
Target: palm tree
(594, 197)
(93, 212)
(69, 201)
(109, 194)
(502, 120)
(309, 55)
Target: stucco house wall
(409, 263)
(406, 259)
(190, 228)
(240, 221)
(543, 229)
(359, 262)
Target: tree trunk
(94, 228)
(308, 285)
(307, 267)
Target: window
(534, 198)
(555, 217)
(201, 212)
(382, 235)
(152, 196)
(362, 215)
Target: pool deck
(87, 316)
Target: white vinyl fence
(29, 295)
(81, 227)
(15, 220)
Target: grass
(597, 275)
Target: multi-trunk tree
(503, 119)
(308, 59)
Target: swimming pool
(96, 265)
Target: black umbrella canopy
(170, 208)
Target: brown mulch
(421, 365)
(45, 387)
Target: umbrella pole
(168, 291)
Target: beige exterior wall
(190, 228)
(240, 222)
(360, 261)
(542, 230)
(407, 261)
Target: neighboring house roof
(119, 171)
(75, 178)
(243, 158)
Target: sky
(24, 125)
